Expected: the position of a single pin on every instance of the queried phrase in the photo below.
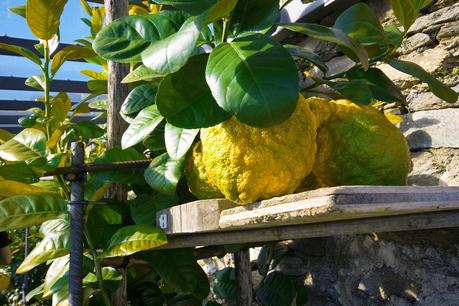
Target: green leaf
(255, 79)
(36, 81)
(394, 35)
(125, 38)
(276, 290)
(222, 8)
(134, 238)
(155, 142)
(27, 210)
(19, 172)
(29, 143)
(164, 173)
(5, 136)
(55, 271)
(144, 207)
(438, 88)
(193, 7)
(361, 24)
(142, 73)
(179, 269)
(70, 53)
(224, 284)
(186, 101)
(336, 36)
(178, 140)
(168, 55)
(55, 243)
(356, 90)
(254, 16)
(140, 97)
(307, 55)
(405, 11)
(22, 52)
(269, 256)
(43, 17)
(142, 126)
(87, 129)
(18, 10)
(127, 176)
(382, 88)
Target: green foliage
(43, 17)
(276, 290)
(142, 126)
(164, 173)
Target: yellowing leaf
(11, 188)
(43, 17)
(137, 10)
(394, 119)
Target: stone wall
(405, 268)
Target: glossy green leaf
(382, 88)
(87, 129)
(336, 36)
(356, 90)
(222, 8)
(155, 142)
(19, 10)
(70, 53)
(142, 73)
(307, 55)
(179, 269)
(36, 81)
(255, 79)
(27, 210)
(10, 188)
(168, 55)
(361, 24)
(276, 290)
(405, 11)
(142, 126)
(394, 35)
(144, 207)
(19, 172)
(438, 88)
(55, 271)
(186, 101)
(178, 140)
(55, 243)
(111, 276)
(134, 238)
(254, 16)
(29, 143)
(22, 52)
(43, 17)
(140, 97)
(124, 39)
(164, 173)
(224, 284)
(127, 176)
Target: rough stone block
(448, 30)
(414, 42)
(432, 129)
(443, 15)
(435, 167)
(420, 101)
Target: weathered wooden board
(317, 206)
(428, 220)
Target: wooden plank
(321, 205)
(244, 286)
(191, 217)
(429, 220)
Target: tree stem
(97, 268)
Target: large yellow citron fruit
(248, 164)
(196, 176)
(357, 145)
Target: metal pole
(76, 228)
(25, 284)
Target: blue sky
(15, 26)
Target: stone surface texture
(399, 268)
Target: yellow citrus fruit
(4, 281)
(357, 145)
(248, 164)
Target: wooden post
(116, 126)
(243, 278)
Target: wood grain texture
(243, 278)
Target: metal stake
(76, 228)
